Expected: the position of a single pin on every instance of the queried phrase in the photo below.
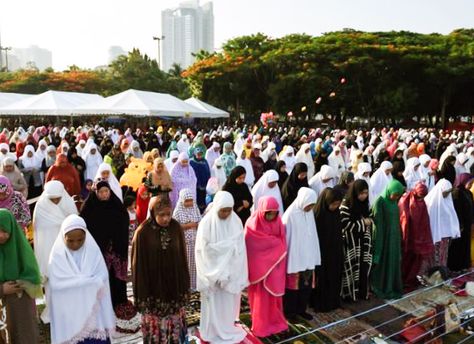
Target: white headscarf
(424, 171)
(261, 189)
(336, 161)
(451, 150)
(183, 144)
(30, 163)
(461, 161)
(307, 158)
(247, 164)
(362, 168)
(239, 143)
(112, 180)
(301, 234)
(411, 176)
(8, 154)
(212, 155)
(80, 149)
(271, 147)
(135, 150)
(218, 172)
(47, 220)
(470, 157)
(41, 153)
(316, 183)
(86, 149)
(169, 162)
(78, 295)
(92, 161)
(380, 179)
(221, 255)
(290, 161)
(443, 219)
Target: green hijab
(394, 187)
(17, 260)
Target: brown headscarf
(163, 178)
(159, 268)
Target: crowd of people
(297, 218)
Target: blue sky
(81, 31)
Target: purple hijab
(182, 178)
(6, 186)
(15, 202)
(463, 179)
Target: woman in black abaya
(327, 294)
(237, 187)
(459, 255)
(297, 179)
(108, 222)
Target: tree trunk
(444, 104)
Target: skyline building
(31, 57)
(186, 29)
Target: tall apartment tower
(186, 29)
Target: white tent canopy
(140, 103)
(7, 98)
(212, 111)
(50, 103)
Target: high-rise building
(114, 52)
(186, 29)
(32, 56)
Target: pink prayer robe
(266, 254)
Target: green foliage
(132, 71)
(390, 75)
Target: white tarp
(50, 103)
(141, 103)
(7, 98)
(212, 111)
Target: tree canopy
(373, 75)
(376, 76)
(127, 71)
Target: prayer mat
(420, 302)
(341, 327)
(250, 339)
(193, 308)
(386, 320)
(295, 328)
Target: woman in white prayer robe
(336, 161)
(169, 163)
(444, 221)
(213, 153)
(77, 290)
(304, 155)
(363, 172)
(222, 271)
(303, 253)
(288, 156)
(53, 206)
(412, 173)
(425, 170)
(381, 178)
(451, 150)
(460, 164)
(93, 159)
(267, 186)
(470, 159)
(183, 144)
(245, 162)
(104, 172)
(325, 178)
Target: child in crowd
(130, 203)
